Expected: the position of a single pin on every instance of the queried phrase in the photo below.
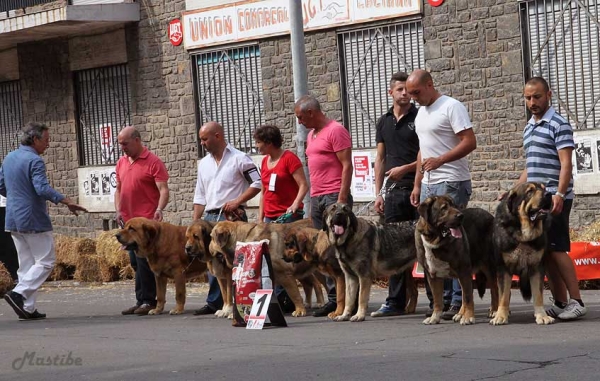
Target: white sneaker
(554, 311)
(573, 310)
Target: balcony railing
(10, 5)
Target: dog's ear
(206, 236)
(424, 207)
(510, 199)
(324, 224)
(300, 240)
(353, 219)
(150, 230)
(221, 236)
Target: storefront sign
(257, 19)
(363, 176)
(175, 32)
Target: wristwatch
(561, 195)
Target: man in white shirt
(446, 138)
(227, 179)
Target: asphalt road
(86, 332)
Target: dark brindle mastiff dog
(455, 243)
(365, 250)
(163, 245)
(520, 243)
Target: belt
(397, 186)
(218, 210)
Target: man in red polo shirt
(142, 191)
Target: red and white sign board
(257, 19)
(260, 306)
(106, 142)
(175, 32)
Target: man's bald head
(420, 87)
(212, 138)
(130, 140)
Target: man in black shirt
(397, 149)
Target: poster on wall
(363, 176)
(584, 163)
(97, 186)
(106, 142)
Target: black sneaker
(206, 310)
(35, 315)
(16, 302)
(449, 314)
(325, 310)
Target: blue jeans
(214, 299)
(318, 204)
(460, 192)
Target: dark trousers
(397, 208)
(318, 204)
(214, 299)
(145, 282)
(8, 252)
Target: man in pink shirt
(142, 191)
(329, 153)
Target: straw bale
(66, 254)
(127, 272)
(6, 281)
(590, 233)
(87, 268)
(110, 249)
(62, 272)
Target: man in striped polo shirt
(548, 144)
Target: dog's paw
(230, 316)
(221, 314)
(175, 311)
(491, 314)
(342, 318)
(431, 320)
(155, 311)
(358, 317)
(499, 319)
(333, 315)
(544, 320)
(467, 320)
(457, 317)
(299, 313)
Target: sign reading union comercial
(253, 19)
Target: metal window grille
(229, 91)
(103, 108)
(11, 116)
(369, 58)
(9, 5)
(561, 40)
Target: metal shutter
(229, 91)
(103, 105)
(11, 117)
(563, 38)
(369, 58)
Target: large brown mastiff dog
(308, 245)
(225, 234)
(520, 243)
(163, 245)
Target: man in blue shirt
(24, 183)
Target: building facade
(89, 67)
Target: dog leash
(382, 192)
(281, 219)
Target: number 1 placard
(259, 310)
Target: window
(228, 85)
(561, 39)
(103, 109)
(11, 117)
(369, 57)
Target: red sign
(435, 3)
(175, 32)
(361, 167)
